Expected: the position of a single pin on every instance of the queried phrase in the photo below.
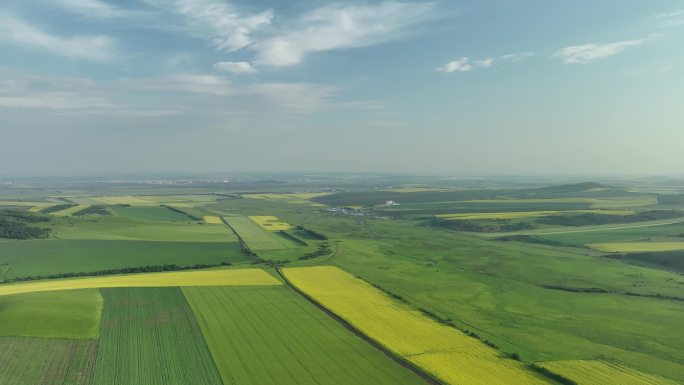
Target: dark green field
(150, 336)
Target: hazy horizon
(460, 88)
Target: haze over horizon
(93, 87)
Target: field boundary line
(425, 376)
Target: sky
(477, 87)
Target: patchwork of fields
(256, 237)
(445, 352)
(391, 311)
(269, 335)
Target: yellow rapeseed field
(237, 277)
(443, 351)
(270, 222)
(598, 372)
(212, 220)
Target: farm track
(428, 378)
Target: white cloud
(583, 54)
(517, 57)
(671, 19)
(236, 67)
(340, 26)
(90, 8)
(464, 64)
(20, 33)
(221, 23)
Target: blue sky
(442, 87)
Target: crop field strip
(599, 372)
(239, 277)
(70, 211)
(212, 220)
(270, 335)
(255, 236)
(636, 247)
(150, 336)
(529, 214)
(28, 361)
(447, 353)
(270, 222)
(124, 200)
(43, 257)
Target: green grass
(28, 361)
(62, 314)
(262, 336)
(256, 237)
(150, 337)
(667, 260)
(616, 233)
(54, 256)
(153, 213)
(119, 228)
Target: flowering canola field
(445, 352)
(598, 372)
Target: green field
(153, 213)
(62, 314)
(256, 237)
(150, 336)
(29, 361)
(127, 229)
(55, 256)
(269, 335)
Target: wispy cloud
(184, 94)
(23, 34)
(586, 53)
(226, 27)
(465, 64)
(670, 19)
(517, 57)
(236, 67)
(95, 9)
(340, 26)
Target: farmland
(528, 277)
(46, 361)
(255, 236)
(56, 314)
(637, 247)
(270, 222)
(268, 335)
(443, 351)
(149, 336)
(597, 372)
(189, 278)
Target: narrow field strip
(29, 361)
(598, 372)
(212, 220)
(187, 278)
(256, 237)
(70, 210)
(529, 214)
(445, 352)
(150, 336)
(270, 335)
(636, 247)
